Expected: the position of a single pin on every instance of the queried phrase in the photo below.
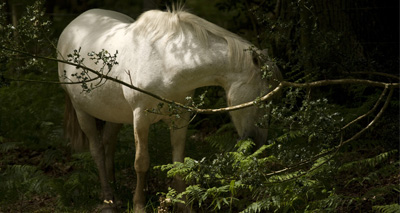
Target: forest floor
(43, 182)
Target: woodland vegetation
(334, 135)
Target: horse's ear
(259, 55)
(256, 58)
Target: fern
(187, 169)
(286, 177)
(224, 139)
(376, 176)
(368, 162)
(254, 207)
(223, 181)
(23, 181)
(79, 190)
(393, 208)
(51, 156)
(7, 146)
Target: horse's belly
(111, 113)
(103, 103)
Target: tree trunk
(14, 19)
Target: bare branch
(266, 97)
(340, 81)
(370, 111)
(386, 104)
(49, 82)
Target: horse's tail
(72, 130)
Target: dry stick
(369, 112)
(385, 105)
(336, 148)
(226, 109)
(339, 81)
(49, 82)
(301, 85)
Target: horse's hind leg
(110, 136)
(88, 126)
(178, 139)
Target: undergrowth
(243, 181)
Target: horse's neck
(197, 65)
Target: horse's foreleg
(142, 160)
(88, 126)
(178, 138)
(110, 136)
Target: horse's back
(93, 25)
(99, 17)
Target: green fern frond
(7, 146)
(393, 208)
(244, 146)
(285, 177)
(378, 193)
(80, 189)
(20, 181)
(368, 162)
(224, 139)
(50, 156)
(289, 136)
(320, 165)
(185, 169)
(328, 204)
(83, 161)
(261, 150)
(254, 207)
(194, 193)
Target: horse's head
(247, 88)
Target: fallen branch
(266, 97)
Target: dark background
(309, 40)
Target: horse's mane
(155, 24)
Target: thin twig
(128, 72)
(48, 82)
(386, 104)
(369, 112)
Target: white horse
(166, 53)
